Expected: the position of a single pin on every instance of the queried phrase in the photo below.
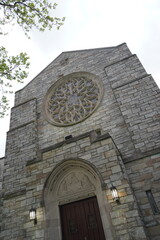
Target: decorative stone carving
(73, 183)
(73, 98)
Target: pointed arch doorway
(81, 220)
(75, 203)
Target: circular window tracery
(73, 98)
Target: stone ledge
(134, 80)
(29, 100)
(101, 137)
(121, 60)
(138, 156)
(94, 136)
(14, 194)
(33, 161)
(23, 125)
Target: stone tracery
(73, 100)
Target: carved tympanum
(74, 182)
(72, 99)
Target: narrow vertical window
(152, 202)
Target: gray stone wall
(140, 107)
(128, 123)
(144, 175)
(100, 152)
(108, 117)
(1, 172)
(92, 60)
(23, 114)
(21, 146)
(1, 190)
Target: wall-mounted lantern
(32, 215)
(115, 194)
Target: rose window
(72, 99)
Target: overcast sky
(89, 24)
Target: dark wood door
(81, 220)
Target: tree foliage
(11, 69)
(27, 14)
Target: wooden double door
(81, 220)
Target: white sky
(91, 24)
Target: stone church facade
(86, 125)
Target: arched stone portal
(71, 181)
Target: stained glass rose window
(73, 98)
